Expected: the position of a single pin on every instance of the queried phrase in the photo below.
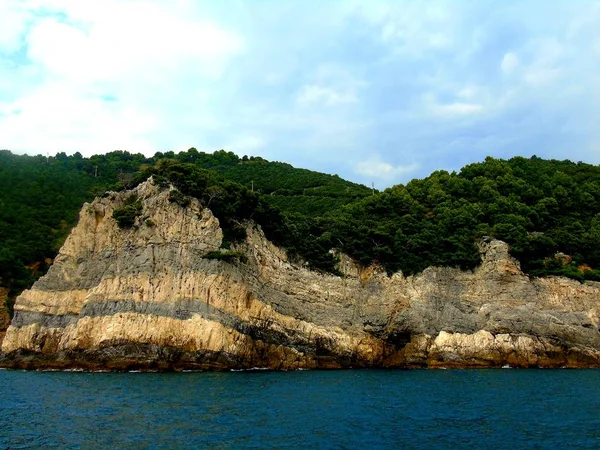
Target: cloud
(330, 85)
(411, 27)
(546, 59)
(377, 169)
(107, 76)
(324, 95)
(71, 122)
(510, 62)
(14, 25)
(457, 109)
(129, 39)
(468, 92)
(316, 84)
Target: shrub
(125, 216)
(232, 235)
(182, 200)
(227, 256)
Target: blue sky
(374, 91)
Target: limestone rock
(147, 298)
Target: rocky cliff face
(147, 298)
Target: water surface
(416, 409)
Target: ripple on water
(327, 409)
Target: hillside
(291, 189)
(39, 204)
(548, 211)
(41, 196)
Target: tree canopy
(539, 207)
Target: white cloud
(413, 27)
(468, 92)
(510, 62)
(547, 58)
(542, 76)
(457, 109)
(13, 25)
(330, 85)
(379, 170)
(324, 95)
(53, 117)
(454, 109)
(447, 83)
(112, 75)
(129, 38)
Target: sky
(374, 91)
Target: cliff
(148, 298)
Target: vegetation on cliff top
(539, 207)
(125, 216)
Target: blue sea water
(414, 409)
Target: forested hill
(547, 210)
(288, 188)
(41, 196)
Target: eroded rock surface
(147, 298)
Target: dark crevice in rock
(398, 339)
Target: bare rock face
(148, 298)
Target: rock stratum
(148, 298)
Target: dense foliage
(125, 216)
(542, 208)
(290, 189)
(539, 207)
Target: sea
(338, 409)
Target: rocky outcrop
(148, 298)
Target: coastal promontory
(155, 290)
